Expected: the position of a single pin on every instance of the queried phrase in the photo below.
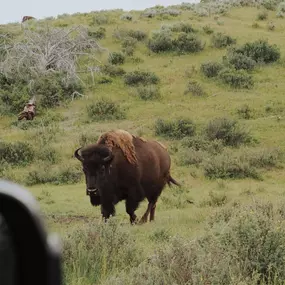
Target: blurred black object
(28, 254)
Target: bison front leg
(135, 196)
(131, 206)
(107, 210)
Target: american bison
(121, 166)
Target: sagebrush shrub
(97, 34)
(52, 89)
(141, 77)
(18, 153)
(113, 70)
(175, 129)
(115, 250)
(245, 112)
(221, 40)
(127, 17)
(202, 143)
(187, 43)
(160, 42)
(208, 30)
(260, 51)
(105, 109)
(226, 166)
(195, 88)
(66, 174)
(183, 27)
(137, 34)
(240, 61)
(211, 69)
(116, 58)
(236, 78)
(148, 92)
(261, 16)
(227, 130)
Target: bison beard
(120, 167)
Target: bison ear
(77, 155)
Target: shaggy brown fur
(121, 139)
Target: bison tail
(173, 181)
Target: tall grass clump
(93, 252)
(175, 129)
(241, 245)
(221, 40)
(228, 131)
(105, 109)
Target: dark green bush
(195, 88)
(227, 130)
(175, 129)
(160, 42)
(211, 69)
(221, 40)
(148, 92)
(18, 153)
(260, 51)
(105, 109)
(113, 70)
(116, 58)
(236, 78)
(187, 43)
(240, 61)
(141, 77)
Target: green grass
(67, 207)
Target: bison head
(95, 159)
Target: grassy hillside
(225, 135)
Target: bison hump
(121, 139)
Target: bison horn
(77, 155)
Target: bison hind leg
(145, 215)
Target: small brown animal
(25, 18)
(121, 166)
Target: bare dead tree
(47, 50)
